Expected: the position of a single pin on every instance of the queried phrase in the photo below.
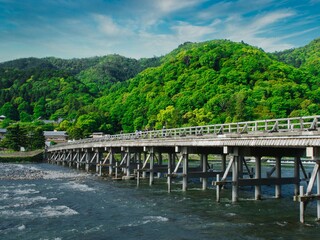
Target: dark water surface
(42, 201)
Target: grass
(22, 157)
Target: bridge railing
(308, 123)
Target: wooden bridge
(193, 152)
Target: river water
(43, 201)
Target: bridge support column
(185, 168)
(70, 158)
(235, 177)
(170, 159)
(278, 175)
(128, 162)
(88, 158)
(138, 162)
(144, 174)
(98, 160)
(318, 192)
(159, 163)
(78, 159)
(296, 174)
(63, 159)
(151, 176)
(224, 162)
(240, 166)
(110, 158)
(257, 188)
(204, 161)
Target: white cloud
(257, 31)
(226, 8)
(168, 6)
(190, 32)
(264, 21)
(108, 27)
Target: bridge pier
(111, 161)
(170, 167)
(78, 159)
(318, 192)
(87, 163)
(70, 158)
(278, 176)
(257, 188)
(297, 162)
(235, 176)
(63, 158)
(160, 162)
(151, 175)
(204, 163)
(224, 162)
(185, 166)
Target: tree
(167, 117)
(36, 138)
(16, 137)
(9, 111)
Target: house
(3, 131)
(55, 136)
(97, 135)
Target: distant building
(55, 136)
(97, 135)
(45, 121)
(2, 117)
(3, 131)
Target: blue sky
(146, 28)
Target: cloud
(265, 20)
(108, 27)
(226, 8)
(185, 31)
(258, 30)
(168, 6)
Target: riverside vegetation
(210, 82)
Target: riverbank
(22, 157)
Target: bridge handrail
(307, 123)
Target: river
(44, 201)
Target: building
(55, 136)
(97, 135)
(3, 131)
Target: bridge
(220, 152)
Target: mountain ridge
(197, 83)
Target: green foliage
(28, 136)
(197, 83)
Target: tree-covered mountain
(51, 88)
(197, 83)
(211, 82)
(307, 57)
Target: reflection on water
(52, 202)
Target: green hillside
(307, 57)
(211, 82)
(197, 83)
(50, 88)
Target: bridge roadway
(149, 154)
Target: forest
(210, 82)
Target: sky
(147, 28)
